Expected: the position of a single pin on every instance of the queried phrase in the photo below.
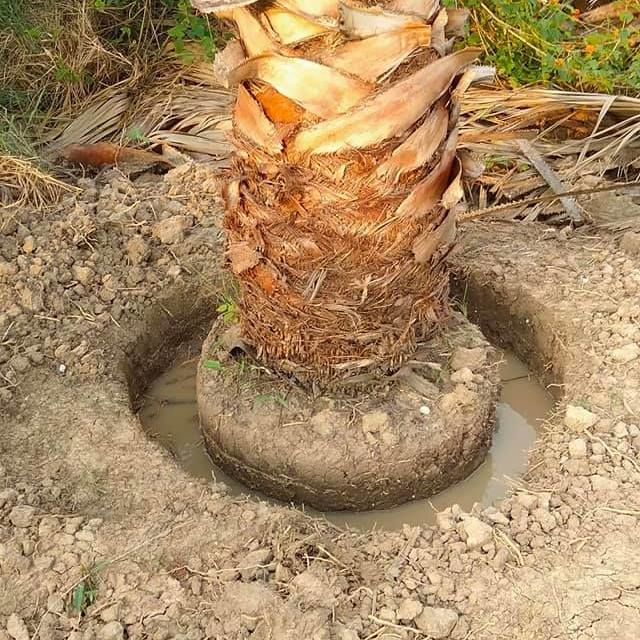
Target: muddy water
(170, 415)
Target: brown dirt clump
(86, 498)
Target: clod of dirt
(578, 418)
(437, 622)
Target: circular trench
(183, 318)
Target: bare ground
(85, 496)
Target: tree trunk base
(428, 428)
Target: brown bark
(339, 210)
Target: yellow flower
(589, 49)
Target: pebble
(111, 631)
(22, 516)
(375, 421)
(84, 275)
(626, 353)
(620, 430)
(495, 516)
(16, 628)
(55, 603)
(630, 243)
(545, 519)
(578, 419)
(29, 244)
(19, 363)
(172, 229)
(253, 561)
(387, 614)
(8, 496)
(462, 376)
(409, 610)
(600, 483)
(578, 448)
(527, 500)
(468, 358)
(437, 622)
(476, 532)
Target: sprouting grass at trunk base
(536, 42)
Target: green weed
(85, 592)
(533, 42)
(267, 398)
(228, 309)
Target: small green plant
(228, 310)
(85, 592)
(137, 136)
(267, 398)
(191, 27)
(533, 42)
(213, 365)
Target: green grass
(533, 42)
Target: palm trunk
(341, 207)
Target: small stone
(425, 410)
(323, 422)
(389, 438)
(468, 358)
(387, 614)
(174, 271)
(626, 353)
(172, 229)
(463, 376)
(137, 250)
(16, 628)
(620, 430)
(84, 275)
(437, 622)
(22, 516)
(253, 561)
(495, 516)
(55, 603)
(630, 243)
(375, 421)
(19, 363)
(444, 520)
(111, 631)
(29, 244)
(196, 585)
(527, 500)
(578, 419)
(7, 268)
(578, 448)
(7, 497)
(600, 483)
(110, 614)
(409, 610)
(545, 519)
(500, 559)
(475, 532)
(85, 535)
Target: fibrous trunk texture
(341, 204)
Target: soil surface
(103, 537)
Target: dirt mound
(376, 449)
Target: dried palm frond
(576, 134)
(23, 182)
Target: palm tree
(341, 206)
